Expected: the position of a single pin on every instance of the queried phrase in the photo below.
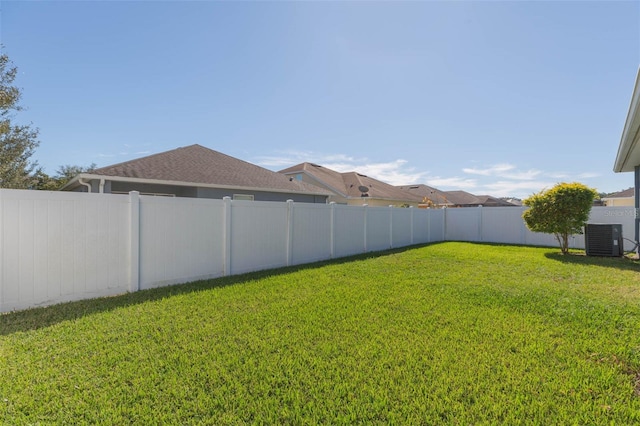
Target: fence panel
(378, 229)
(420, 225)
(58, 247)
(311, 240)
(437, 227)
(462, 224)
(181, 239)
(348, 230)
(502, 225)
(259, 235)
(401, 226)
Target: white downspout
(101, 186)
(88, 185)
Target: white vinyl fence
(505, 225)
(58, 246)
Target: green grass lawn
(450, 333)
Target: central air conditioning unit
(603, 239)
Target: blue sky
(500, 98)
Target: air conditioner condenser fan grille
(603, 239)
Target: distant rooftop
(351, 184)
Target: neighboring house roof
(491, 201)
(628, 156)
(426, 192)
(463, 198)
(627, 193)
(196, 165)
(349, 184)
(454, 198)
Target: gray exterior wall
(178, 191)
(217, 193)
(194, 192)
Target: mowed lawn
(449, 333)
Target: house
(198, 172)
(628, 156)
(351, 188)
(433, 197)
(466, 199)
(622, 198)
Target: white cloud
(126, 150)
(568, 177)
(393, 172)
(451, 183)
(506, 180)
(588, 175)
(490, 171)
(499, 180)
(505, 170)
(558, 175)
(520, 189)
(526, 175)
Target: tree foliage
(63, 175)
(17, 142)
(562, 211)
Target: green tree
(562, 211)
(63, 175)
(17, 142)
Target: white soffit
(629, 150)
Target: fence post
(332, 221)
(480, 233)
(523, 227)
(411, 229)
(444, 226)
(226, 236)
(134, 241)
(390, 226)
(366, 213)
(289, 250)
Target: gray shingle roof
(629, 192)
(462, 198)
(428, 192)
(200, 165)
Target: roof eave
(397, 200)
(75, 182)
(628, 156)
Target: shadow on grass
(576, 256)
(579, 258)
(40, 317)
